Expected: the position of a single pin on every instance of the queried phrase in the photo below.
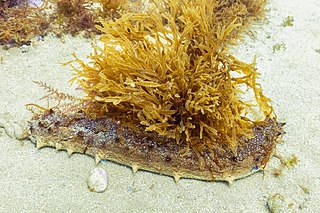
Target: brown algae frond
(19, 22)
(78, 16)
(170, 71)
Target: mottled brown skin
(128, 144)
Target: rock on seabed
(98, 180)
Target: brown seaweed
(19, 22)
(170, 71)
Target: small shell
(98, 180)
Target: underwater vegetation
(76, 16)
(22, 20)
(19, 22)
(169, 70)
(163, 93)
(80, 16)
(73, 16)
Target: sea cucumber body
(129, 144)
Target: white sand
(45, 180)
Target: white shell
(98, 180)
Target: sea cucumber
(131, 145)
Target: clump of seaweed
(245, 11)
(109, 5)
(170, 70)
(73, 16)
(81, 16)
(19, 22)
(76, 16)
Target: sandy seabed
(45, 180)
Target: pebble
(25, 48)
(97, 180)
